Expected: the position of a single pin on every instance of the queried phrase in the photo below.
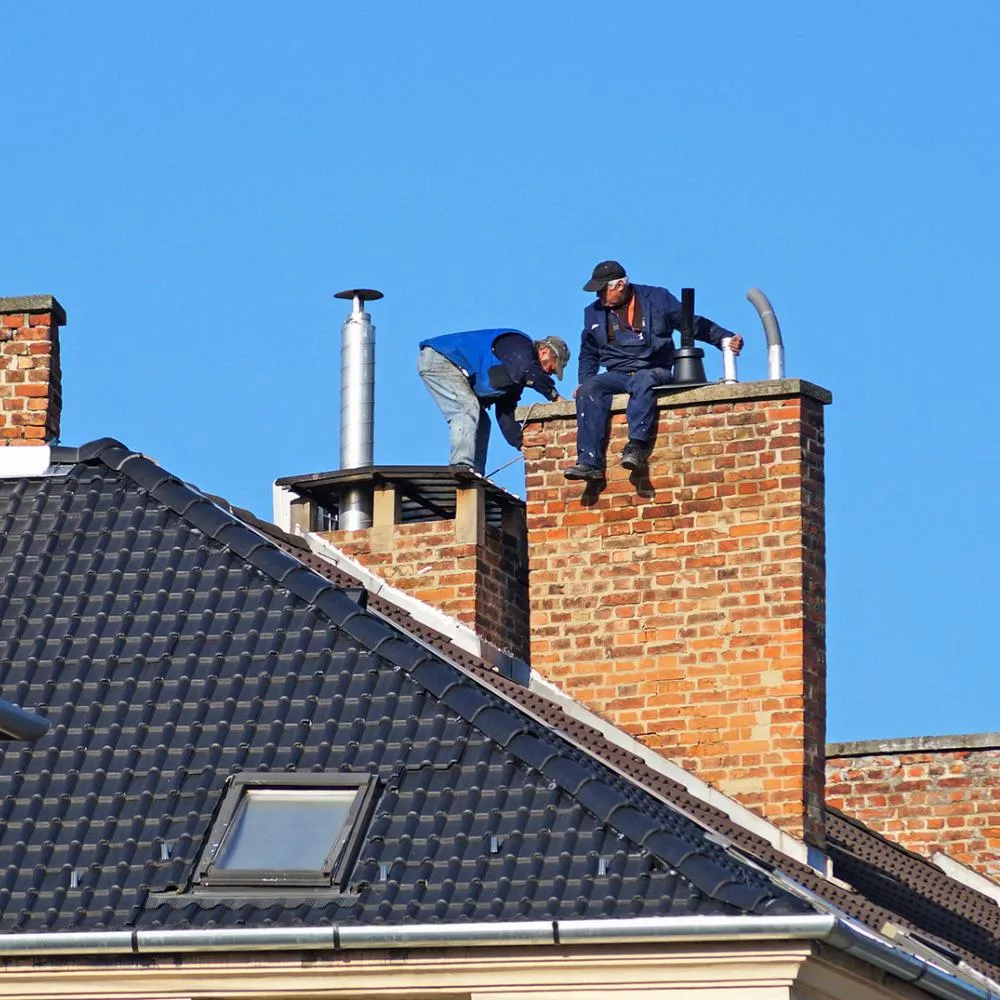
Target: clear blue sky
(195, 180)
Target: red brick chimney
(459, 549)
(30, 377)
(688, 606)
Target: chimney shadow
(639, 478)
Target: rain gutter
(841, 933)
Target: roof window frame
(340, 859)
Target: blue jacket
(650, 347)
(491, 376)
(499, 364)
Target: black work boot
(635, 455)
(583, 471)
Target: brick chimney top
(30, 375)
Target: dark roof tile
(146, 473)
(172, 659)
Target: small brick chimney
(30, 377)
(687, 606)
(460, 549)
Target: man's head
(553, 355)
(610, 282)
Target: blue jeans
(468, 422)
(593, 408)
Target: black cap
(607, 270)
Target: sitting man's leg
(593, 406)
(641, 415)
(450, 389)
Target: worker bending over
(627, 330)
(466, 373)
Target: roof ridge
(934, 870)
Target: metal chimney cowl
(357, 404)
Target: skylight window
(287, 830)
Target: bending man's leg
(593, 406)
(450, 389)
(482, 441)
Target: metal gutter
(342, 938)
(843, 934)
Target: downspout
(775, 347)
(841, 933)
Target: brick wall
(482, 584)
(688, 606)
(928, 794)
(30, 377)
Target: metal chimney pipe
(775, 347)
(728, 362)
(357, 404)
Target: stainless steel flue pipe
(775, 345)
(357, 404)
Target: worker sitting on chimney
(627, 330)
(466, 373)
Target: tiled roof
(890, 884)
(911, 885)
(171, 643)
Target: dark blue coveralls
(636, 361)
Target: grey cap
(561, 351)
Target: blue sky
(194, 181)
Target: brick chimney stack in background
(30, 376)
(687, 606)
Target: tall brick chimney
(30, 377)
(687, 606)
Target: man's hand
(736, 343)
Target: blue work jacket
(472, 351)
(651, 346)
